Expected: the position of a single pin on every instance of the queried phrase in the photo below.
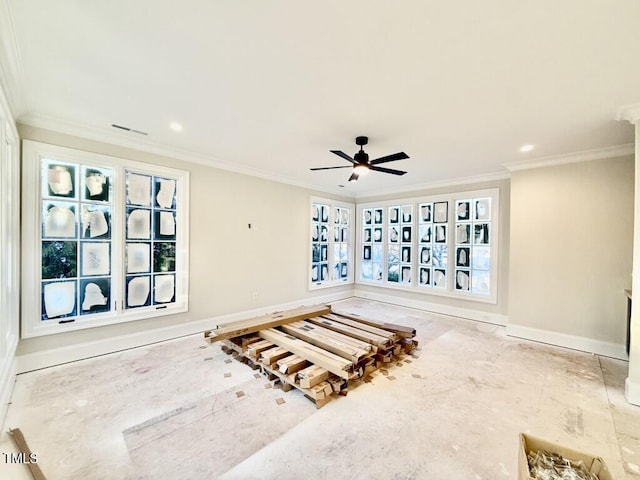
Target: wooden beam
(290, 380)
(369, 337)
(311, 376)
(363, 326)
(400, 330)
(252, 325)
(291, 364)
(270, 356)
(21, 443)
(316, 355)
(346, 338)
(254, 349)
(328, 340)
(246, 341)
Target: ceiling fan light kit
(361, 164)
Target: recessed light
(175, 126)
(526, 148)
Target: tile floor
(179, 410)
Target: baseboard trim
(574, 342)
(468, 313)
(632, 391)
(8, 371)
(57, 356)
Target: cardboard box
(528, 443)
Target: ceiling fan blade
(387, 170)
(353, 177)
(390, 158)
(343, 155)
(330, 168)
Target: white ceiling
(271, 86)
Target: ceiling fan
(361, 163)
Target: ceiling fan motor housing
(362, 158)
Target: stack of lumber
(314, 349)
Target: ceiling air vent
(129, 129)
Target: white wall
(9, 252)
(571, 254)
(493, 313)
(228, 261)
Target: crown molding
(104, 135)
(123, 140)
(630, 113)
(452, 182)
(11, 69)
(575, 157)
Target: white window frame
(330, 260)
(32, 323)
(449, 290)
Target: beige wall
(228, 262)
(632, 383)
(501, 307)
(571, 248)
(564, 257)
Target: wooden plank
(400, 330)
(363, 326)
(253, 325)
(246, 341)
(284, 314)
(21, 443)
(373, 339)
(291, 364)
(348, 339)
(362, 348)
(290, 380)
(270, 356)
(255, 348)
(384, 357)
(334, 363)
(311, 376)
(317, 336)
(228, 346)
(240, 344)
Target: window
(372, 244)
(109, 240)
(331, 243)
(432, 245)
(400, 230)
(473, 245)
(442, 245)
(150, 253)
